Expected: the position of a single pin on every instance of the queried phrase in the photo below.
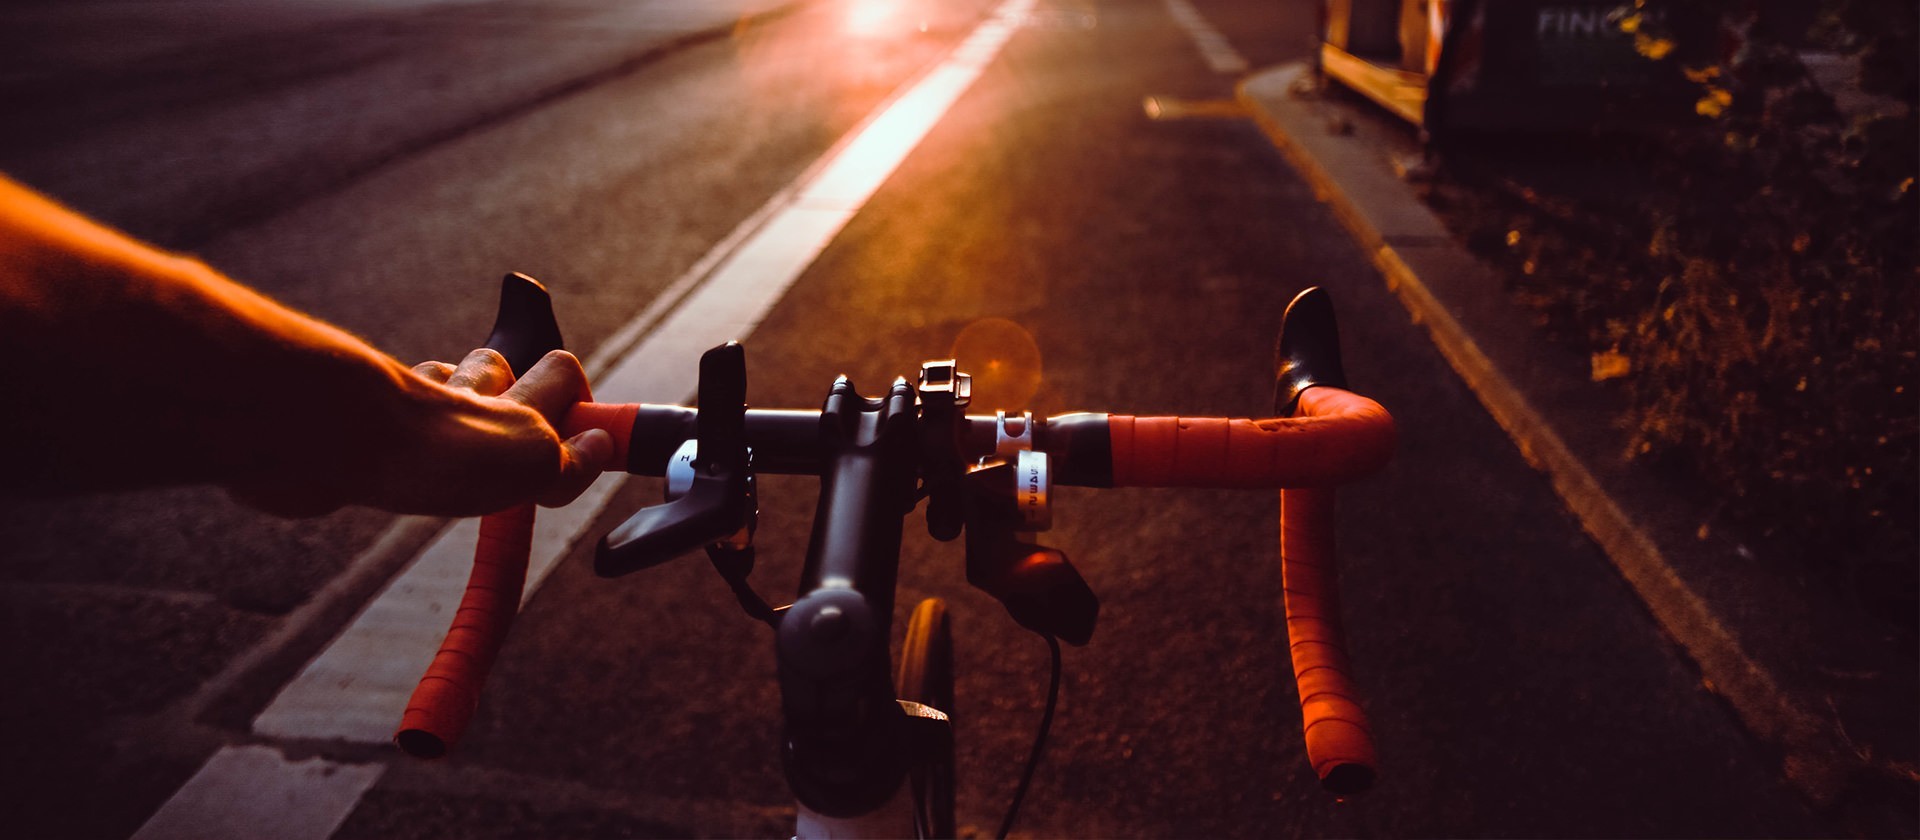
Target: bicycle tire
(925, 676)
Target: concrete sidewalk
(1829, 695)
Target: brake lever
(1308, 351)
(719, 502)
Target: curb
(1415, 252)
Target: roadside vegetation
(1749, 281)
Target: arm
(129, 367)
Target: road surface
(382, 163)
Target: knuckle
(561, 364)
(434, 370)
(485, 356)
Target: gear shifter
(720, 501)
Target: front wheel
(926, 677)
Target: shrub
(1751, 280)
(1778, 356)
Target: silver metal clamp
(1033, 470)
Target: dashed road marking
(1219, 55)
(1166, 108)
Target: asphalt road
(380, 164)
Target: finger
(552, 386)
(436, 372)
(484, 372)
(583, 458)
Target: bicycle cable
(922, 819)
(1039, 740)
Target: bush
(1757, 290)
(1779, 354)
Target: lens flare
(1004, 362)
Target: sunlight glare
(873, 18)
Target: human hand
(461, 440)
(497, 446)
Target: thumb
(583, 458)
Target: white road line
(282, 798)
(1220, 55)
(356, 689)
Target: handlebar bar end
(436, 716)
(1348, 779)
(420, 743)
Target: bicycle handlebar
(1335, 436)
(1338, 436)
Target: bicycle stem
(842, 727)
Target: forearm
(130, 367)
(127, 366)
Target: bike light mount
(942, 380)
(945, 392)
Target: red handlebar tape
(1338, 437)
(443, 704)
(616, 418)
(1339, 741)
